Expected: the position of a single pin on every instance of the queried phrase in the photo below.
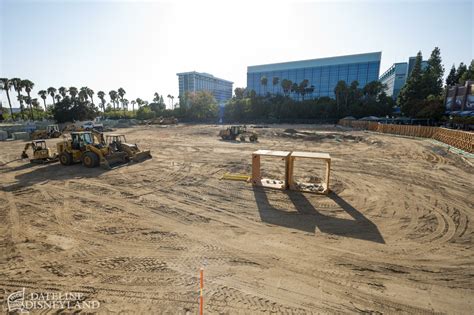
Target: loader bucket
(114, 160)
(141, 156)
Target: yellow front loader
(90, 149)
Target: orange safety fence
(460, 139)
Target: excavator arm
(24, 155)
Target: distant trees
(6, 85)
(264, 82)
(52, 92)
(424, 88)
(69, 109)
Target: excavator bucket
(141, 156)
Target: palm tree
(275, 82)
(172, 101)
(73, 92)
(62, 90)
(83, 96)
(133, 102)
(113, 97)
(43, 94)
(156, 99)
(286, 86)
(264, 81)
(124, 104)
(52, 92)
(16, 82)
(101, 96)
(90, 92)
(28, 85)
(169, 96)
(139, 102)
(58, 98)
(6, 86)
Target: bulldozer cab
(115, 139)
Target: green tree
(133, 102)
(451, 78)
(460, 72)
(43, 94)
(101, 96)
(275, 82)
(51, 92)
(68, 109)
(202, 106)
(411, 93)
(73, 92)
(83, 96)
(28, 86)
(6, 85)
(469, 74)
(341, 92)
(113, 97)
(16, 82)
(90, 93)
(62, 91)
(239, 93)
(121, 93)
(57, 97)
(286, 86)
(264, 82)
(303, 88)
(432, 77)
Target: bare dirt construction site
(393, 236)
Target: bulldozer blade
(141, 156)
(114, 160)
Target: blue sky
(141, 45)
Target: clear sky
(141, 45)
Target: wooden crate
(309, 187)
(267, 182)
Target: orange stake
(201, 298)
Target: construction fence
(460, 139)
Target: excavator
(90, 149)
(41, 153)
(118, 143)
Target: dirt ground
(394, 236)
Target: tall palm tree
(113, 97)
(58, 98)
(83, 96)
(28, 86)
(121, 92)
(264, 81)
(124, 104)
(139, 102)
(101, 96)
(43, 94)
(133, 102)
(6, 84)
(90, 92)
(62, 90)
(73, 92)
(52, 92)
(169, 97)
(156, 99)
(275, 82)
(19, 88)
(172, 101)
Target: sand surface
(394, 236)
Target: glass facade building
(198, 81)
(396, 76)
(323, 73)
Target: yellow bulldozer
(52, 131)
(41, 153)
(232, 132)
(118, 143)
(90, 149)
